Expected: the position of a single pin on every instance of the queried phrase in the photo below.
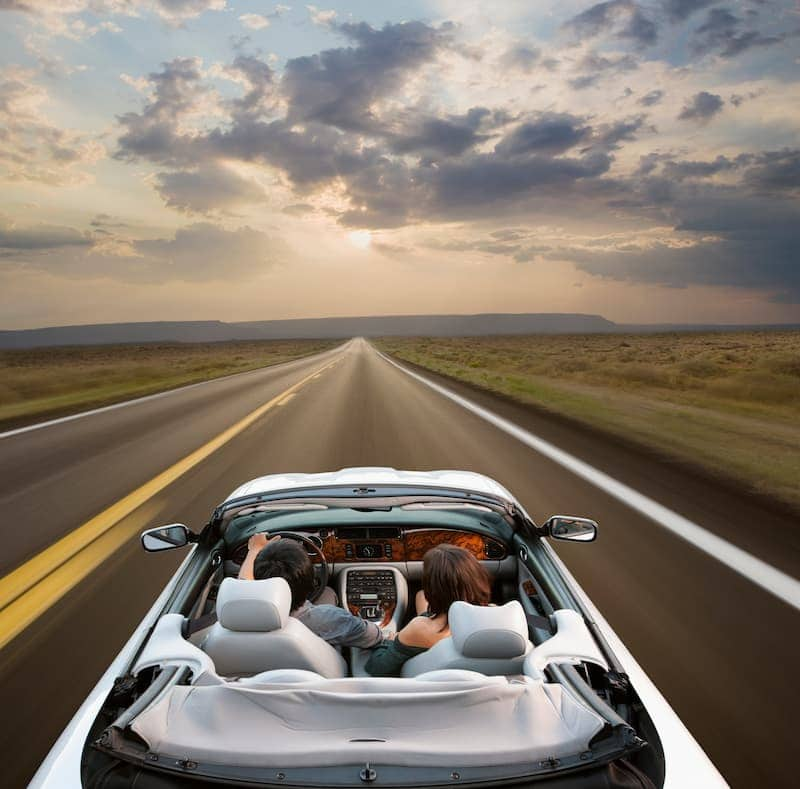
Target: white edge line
(759, 572)
(136, 400)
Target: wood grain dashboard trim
(415, 544)
(420, 541)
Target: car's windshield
(296, 517)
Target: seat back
(490, 639)
(254, 632)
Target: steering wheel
(322, 571)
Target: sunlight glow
(360, 238)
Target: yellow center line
(49, 562)
(287, 398)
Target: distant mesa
(336, 328)
(308, 328)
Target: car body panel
(371, 475)
(62, 766)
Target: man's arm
(341, 628)
(254, 546)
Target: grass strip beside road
(42, 383)
(727, 401)
(28, 591)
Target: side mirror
(176, 535)
(565, 527)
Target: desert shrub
(701, 368)
(785, 365)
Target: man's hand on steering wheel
(321, 569)
(258, 541)
(255, 545)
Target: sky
(243, 160)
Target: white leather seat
(254, 632)
(490, 639)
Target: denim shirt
(337, 626)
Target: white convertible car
(219, 685)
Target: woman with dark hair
(449, 573)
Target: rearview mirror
(176, 535)
(565, 527)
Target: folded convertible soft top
(391, 721)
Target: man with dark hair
(287, 559)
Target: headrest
(254, 606)
(488, 631)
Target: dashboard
(393, 544)
(366, 544)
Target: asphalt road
(724, 652)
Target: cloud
(597, 66)
(338, 87)
(549, 133)
(681, 170)
(624, 17)
(206, 189)
(153, 134)
(722, 32)
(702, 107)
(200, 252)
(651, 98)
(206, 252)
(254, 21)
(449, 136)
(522, 57)
(776, 172)
(32, 148)
(725, 241)
(679, 10)
(170, 10)
(321, 17)
(39, 237)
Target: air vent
(383, 533)
(494, 550)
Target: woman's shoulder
(421, 631)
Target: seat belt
(192, 626)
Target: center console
(377, 593)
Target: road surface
(724, 651)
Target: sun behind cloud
(360, 238)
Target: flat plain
(726, 401)
(47, 382)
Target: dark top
(388, 657)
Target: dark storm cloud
(624, 17)
(722, 33)
(701, 107)
(738, 240)
(486, 178)
(550, 132)
(309, 155)
(651, 98)
(338, 86)
(680, 170)
(776, 171)
(678, 10)
(449, 136)
(609, 136)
